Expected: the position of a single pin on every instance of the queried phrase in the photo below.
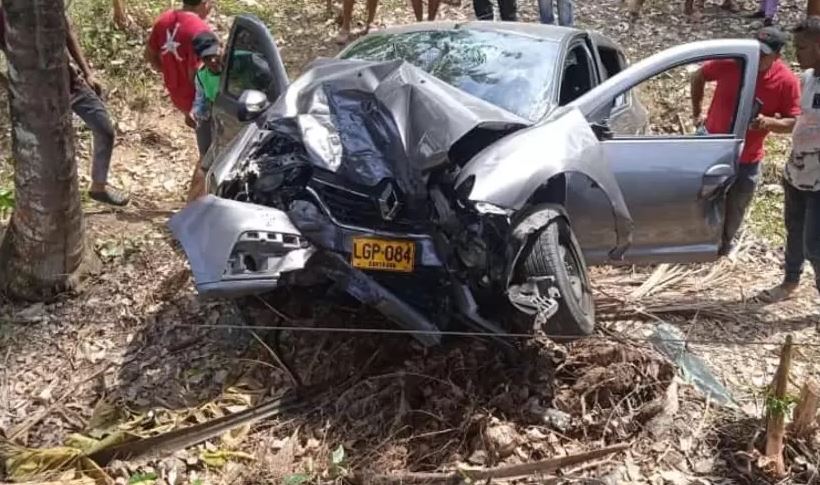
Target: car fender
(508, 173)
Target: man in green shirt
(206, 81)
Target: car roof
(542, 31)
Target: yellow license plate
(383, 254)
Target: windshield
(514, 72)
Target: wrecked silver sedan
(444, 174)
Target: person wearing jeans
(802, 171)
(545, 12)
(778, 92)
(507, 8)
(87, 104)
(767, 11)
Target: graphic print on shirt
(171, 46)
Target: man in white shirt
(802, 172)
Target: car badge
(389, 204)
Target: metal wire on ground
(467, 333)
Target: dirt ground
(136, 353)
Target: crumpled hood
(369, 121)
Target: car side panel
(666, 199)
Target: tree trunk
(120, 18)
(43, 250)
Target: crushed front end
(362, 160)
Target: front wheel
(554, 252)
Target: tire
(555, 252)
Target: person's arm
(201, 110)
(774, 124)
(153, 59)
(152, 55)
(787, 113)
(698, 86)
(77, 54)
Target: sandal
(110, 196)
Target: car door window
(668, 99)
(613, 62)
(248, 67)
(578, 74)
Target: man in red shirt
(170, 51)
(777, 91)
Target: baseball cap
(772, 40)
(206, 44)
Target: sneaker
(768, 22)
(110, 196)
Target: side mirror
(252, 103)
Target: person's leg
(483, 9)
(737, 202)
(794, 216)
(203, 137)
(91, 109)
(372, 5)
(204, 132)
(347, 16)
(508, 10)
(545, 12)
(769, 8)
(811, 232)
(418, 9)
(432, 9)
(634, 8)
(565, 13)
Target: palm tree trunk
(43, 249)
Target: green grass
(765, 217)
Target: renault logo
(389, 203)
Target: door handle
(714, 179)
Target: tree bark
(805, 414)
(776, 416)
(43, 250)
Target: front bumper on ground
(236, 248)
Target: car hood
(368, 121)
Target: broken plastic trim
(528, 299)
(237, 248)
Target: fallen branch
(502, 472)
(183, 438)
